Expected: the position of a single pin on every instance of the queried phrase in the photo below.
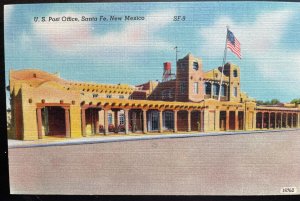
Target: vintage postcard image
(166, 98)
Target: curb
(137, 138)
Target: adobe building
(44, 105)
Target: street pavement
(245, 163)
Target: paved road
(260, 163)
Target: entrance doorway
(53, 121)
(232, 120)
(222, 120)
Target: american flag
(233, 44)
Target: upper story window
(207, 87)
(95, 95)
(223, 90)
(216, 88)
(195, 65)
(164, 94)
(235, 91)
(196, 88)
(121, 97)
(182, 87)
(108, 96)
(235, 73)
(170, 93)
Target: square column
(39, 122)
(116, 120)
(67, 121)
(126, 114)
(254, 121)
(145, 121)
(298, 120)
(175, 121)
(105, 121)
(292, 121)
(236, 119)
(227, 120)
(83, 122)
(189, 120)
(160, 121)
(202, 120)
(286, 120)
(217, 120)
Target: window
(235, 73)
(207, 88)
(95, 95)
(235, 91)
(122, 119)
(195, 65)
(164, 94)
(170, 93)
(223, 90)
(216, 88)
(109, 118)
(182, 87)
(108, 96)
(196, 88)
(121, 97)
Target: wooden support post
(145, 121)
(126, 114)
(160, 121)
(189, 120)
(202, 120)
(106, 122)
(175, 121)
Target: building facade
(45, 105)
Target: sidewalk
(121, 138)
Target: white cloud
(261, 41)
(79, 37)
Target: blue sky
(134, 52)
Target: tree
(275, 101)
(272, 102)
(296, 101)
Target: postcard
(153, 98)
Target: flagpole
(223, 64)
